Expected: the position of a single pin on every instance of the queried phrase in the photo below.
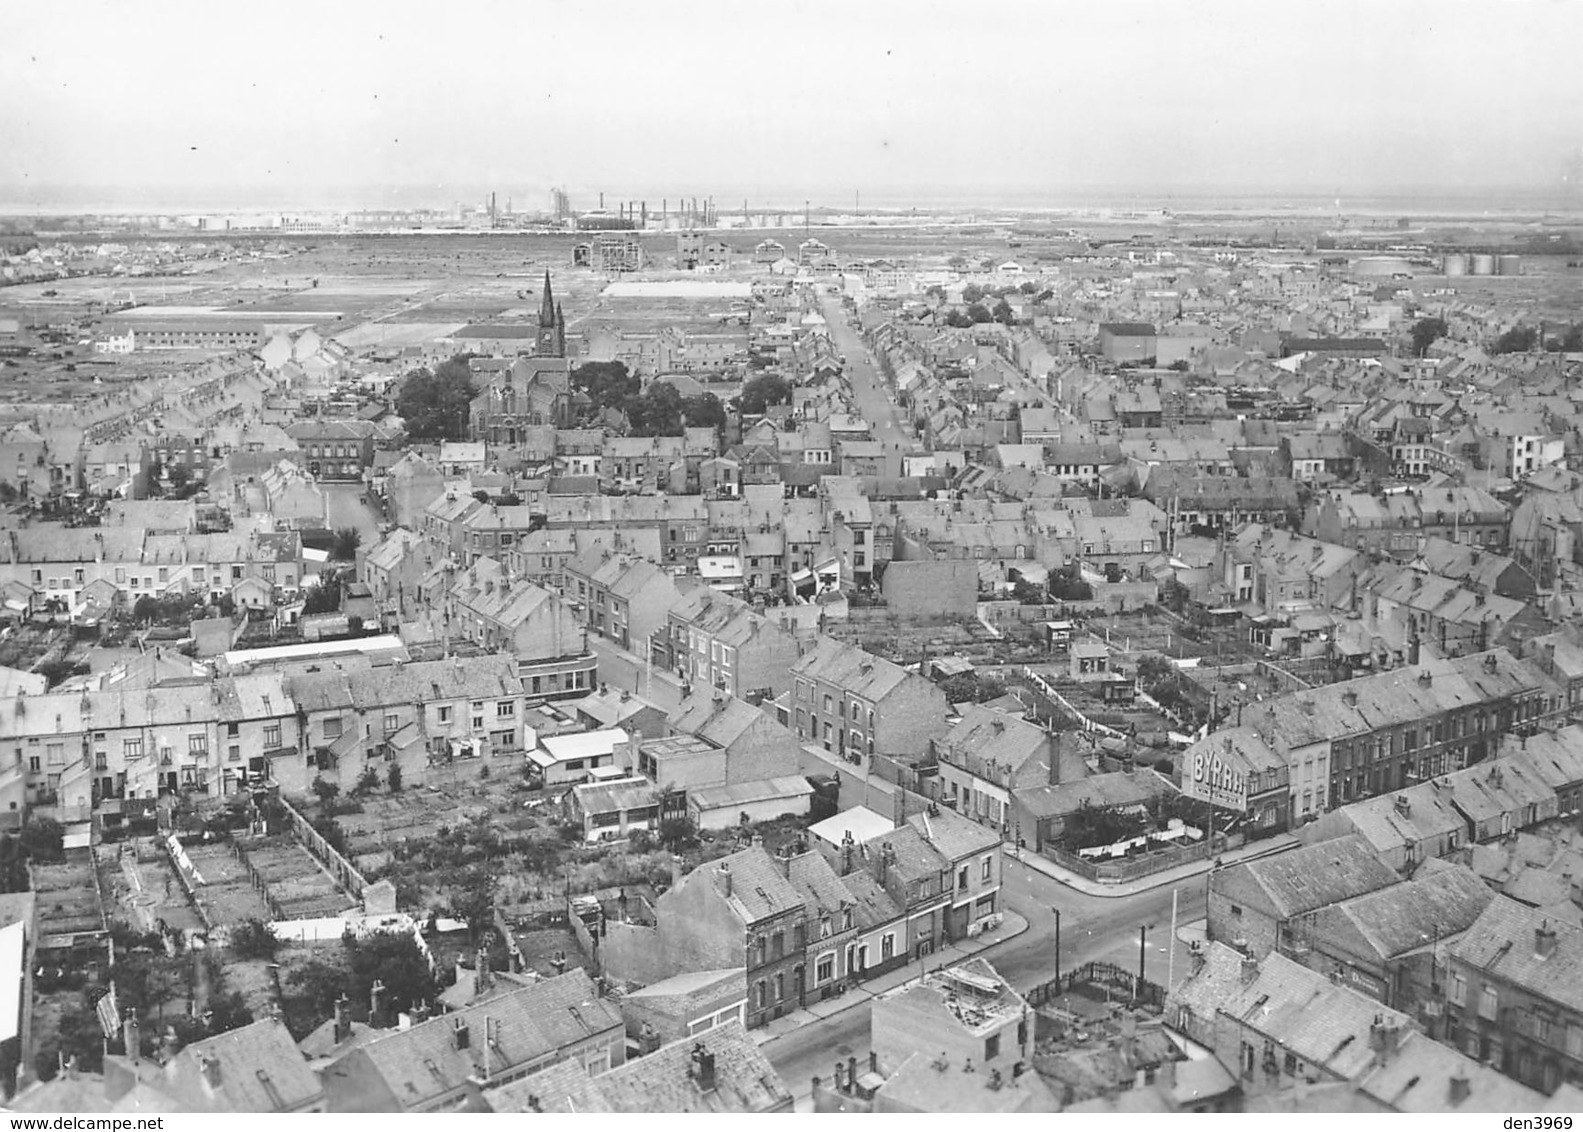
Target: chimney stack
(724, 873)
(1544, 940)
(1460, 1088)
(211, 1070)
(376, 1003)
(343, 1019)
(704, 1068)
(461, 1036)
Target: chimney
(486, 976)
(839, 1070)
(677, 864)
(851, 1073)
(461, 1036)
(211, 1070)
(343, 1019)
(1426, 678)
(724, 873)
(1460, 1088)
(703, 1068)
(1350, 698)
(847, 845)
(376, 1003)
(131, 1037)
(1250, 968)
(1403, 806)
(1544, 940)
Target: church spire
(547, 308)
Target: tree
(1003, 313)
(394, 778)
(978, 312)
(145, 609)
(607, 384)
(177, 477)
(367, 781)
(393, 959)
(704, 410)
(763, 391)
(972, 293)
(971, 688)
(472, 900)
(1517, 340)
(435, 405)
(936, 292)
(347, 540)
(324, 596)
(326, 791)
(1066, 584)
(657, 412)
(253, 939)
(956, 317)
(1427, 331)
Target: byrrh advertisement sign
(1216, 776)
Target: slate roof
(660, 1082)
(1501, 942)
(1418, 1077)
(758, 888)
(953, 835)
(422, 1064)
(1404, 917)
(260, 1068)
(851, 669)
(1314, 876)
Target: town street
(871, 396)
(1092, 928)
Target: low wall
(342, 869)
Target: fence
(1097, 976)
(314, 841)
(1145, 864)
(1062, 706)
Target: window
(992, 1047)
(824, 970)
(392, 723)
(445, 715)
(780, 986)
(56, 753)
(271, 736)
(777, 945)
(986, 867)
(846, 919)
(762, 994)
(132, 748)
(887, 946)
(1575, 1040)
(961, 877)
(332, 729)
(234, 753)
(1490, 1004)
(506, 709)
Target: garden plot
(228, 894)
(67, 899)
(294, 885)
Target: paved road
(874, 400)
(1092, 928)
(621, 669)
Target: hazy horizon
(117, 107)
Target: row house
(392, 569)
(492, 531)
(409, 714)
(1455, 619)
(443, 519)
(336, 450)
(1398, 524)
(540, 556)
(1195, 504)
(859, 705)
(1377, 734)
(1283, 572)
(986, 758)
(682, 522)
(642, 465)
(624, 599)
(528, 622)
(86, 753)
(1512, 996)
(741, 912)
(717, 641)
(60, 564)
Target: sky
(345, 102)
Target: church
(535, 391)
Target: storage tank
(1456, 265)
(1483, 265)
(1509, 265)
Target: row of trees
(435, 403)
(1518, 340)
(659, 410)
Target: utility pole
(1143, 935)
(1170, 947)
(1057, 912)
